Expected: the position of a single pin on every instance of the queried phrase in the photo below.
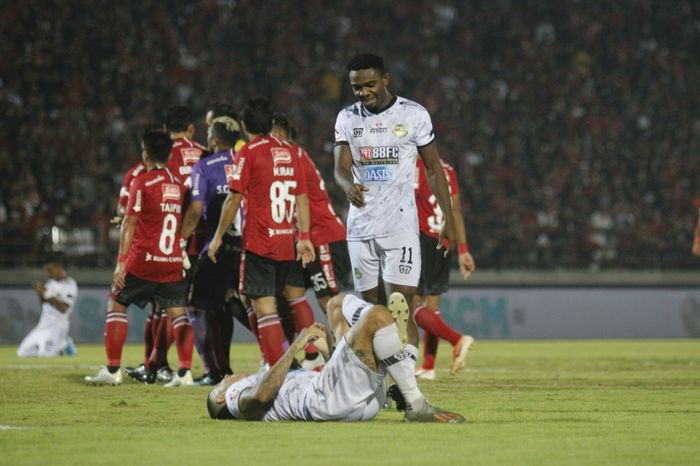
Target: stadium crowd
(572, 124)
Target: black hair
(151, 127)
(177, 118)
(157, 145)
(282, 122)
(257, 115)
(366, 61)
(55, 258)
(218, 109)
(224, 134)
(216, 410)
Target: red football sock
(303, 317)
(431, 321)
(184, 341)
(272, 340)
(430, 347)
(116, 330)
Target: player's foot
(164, 374)
(181, 381)
(425, 374)
(399, 311)
(133, 371)
(69, 348)
(430, 413)
(104, 377)
(459, 353)
(210, 378)
(144, 376)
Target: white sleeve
(67, 292)
(341, 130)
(424, 134)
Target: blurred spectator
(569, 122)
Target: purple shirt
(210, 178)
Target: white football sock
(398, 361)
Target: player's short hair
(257, 115)
(56, 258)
(177, 118)
(151, 127)
(157, 145)
(216, 410)
(226, 130)
(366, 61)
(219, 109)
(281, 121)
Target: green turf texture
(527, 402)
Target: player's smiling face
(370, 87)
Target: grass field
(527, 402)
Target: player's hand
(466, 264)
(311, 334)
(116, 220)
(447, 237)
(214, 248)
(119, 275)
(355, 196)
(40, 288)
(305, 252)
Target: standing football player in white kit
(377, 140)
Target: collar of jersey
(391, 104)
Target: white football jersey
(384, 148)
(65, 290)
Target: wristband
(121, 258)
(462, 248)
(304, 236)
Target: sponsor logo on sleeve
(137, 203)
(229, 170)
(170, 192)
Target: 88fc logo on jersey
(381, 155)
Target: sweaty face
(370, 87)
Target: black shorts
(261, 276)
(435, 268)
(329, 273)
(211, 281)
(141, 292)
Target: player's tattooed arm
(256, 402)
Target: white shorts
(43, 342)
(346, 389)
(398, 258)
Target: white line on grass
(11, 428)
(48, 366)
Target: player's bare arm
(438, 183)
(465, 259)
(126, 237)
(305, 249)
(192, 216)
(257, 401)
(228, 213)
(343, 176)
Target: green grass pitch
(527, 402)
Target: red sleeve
(135, 197)
(240, 177)
(301, 178)
(124, 190)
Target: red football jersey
(155, 198)
(183, 156)
(268, 174)
(326, 227)
(430, 216)
(129, 176)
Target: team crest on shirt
(190, 155)
(400, 130)
(281, 156)
(170, 192)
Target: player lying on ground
(350, 387)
